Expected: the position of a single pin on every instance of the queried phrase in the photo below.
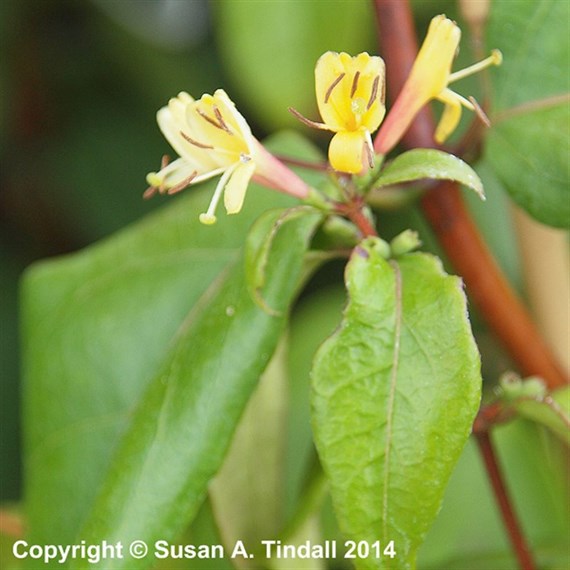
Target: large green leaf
(429, 163)
(97, 327)
(183, 425)
(395, 391)
(528, 144)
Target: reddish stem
(354, 212)
(520, 546)
(444, 208)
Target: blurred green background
(81, 82)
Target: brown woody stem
(446, 212)
(444, 209)
(518, 541)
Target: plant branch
(518, 541)
(446, 212)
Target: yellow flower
(350, 97)
(212, 138)
(429, 79)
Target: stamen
(374, 92)
(333, 85)
(369, 146)
(209, 217)
(221, 121)
(480, 112)
(308, 122)
(195, 143)
(164, 161)
(149, 192)
(354, 84)
(208, 118)
(181, 185)
(495, 58)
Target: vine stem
(353, 210)
(444, 208)
(518, 541)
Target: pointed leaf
(429, 163)
(99, 325)
(395, 391)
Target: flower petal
(172, 124)
(350, 90)
(236, 187)
(450, 117)
(346, 151)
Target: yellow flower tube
(350, 97)
(212, 138)
(429, 79)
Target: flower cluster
(212, 138)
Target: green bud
(405, 242)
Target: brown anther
(206, 117)
(164, 162)
(479, 112)
(221, 122)
(374, 92)
(306, 121)
(195, 143)
(333, 85)
(181, 185)
(354, 84)
(369, 155)
(149, 192)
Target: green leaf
(270, 50)
(429, 163)
(552, 411)
(98, 326)
(469, 533)
(527, 144)
(246, 494)
(183, 425)
(260, 242)
(395, 391)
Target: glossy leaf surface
(395, 391)
(430, 163)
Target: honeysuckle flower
(350, 96)
(430, 78)
(211, 138)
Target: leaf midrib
(392, 394)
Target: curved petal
(173, 174)
(346, 151)
(431, 69)
(172, 126)
(328, 70)
(450, 117)
(214, 120)
(236, 187)
(350, 90)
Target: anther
(195, 143)
(306, 121)
(480, 112)
(221, 121)
(374, 92)
(181, 185)
(333, 85)
(354, 84)
(149, 192)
